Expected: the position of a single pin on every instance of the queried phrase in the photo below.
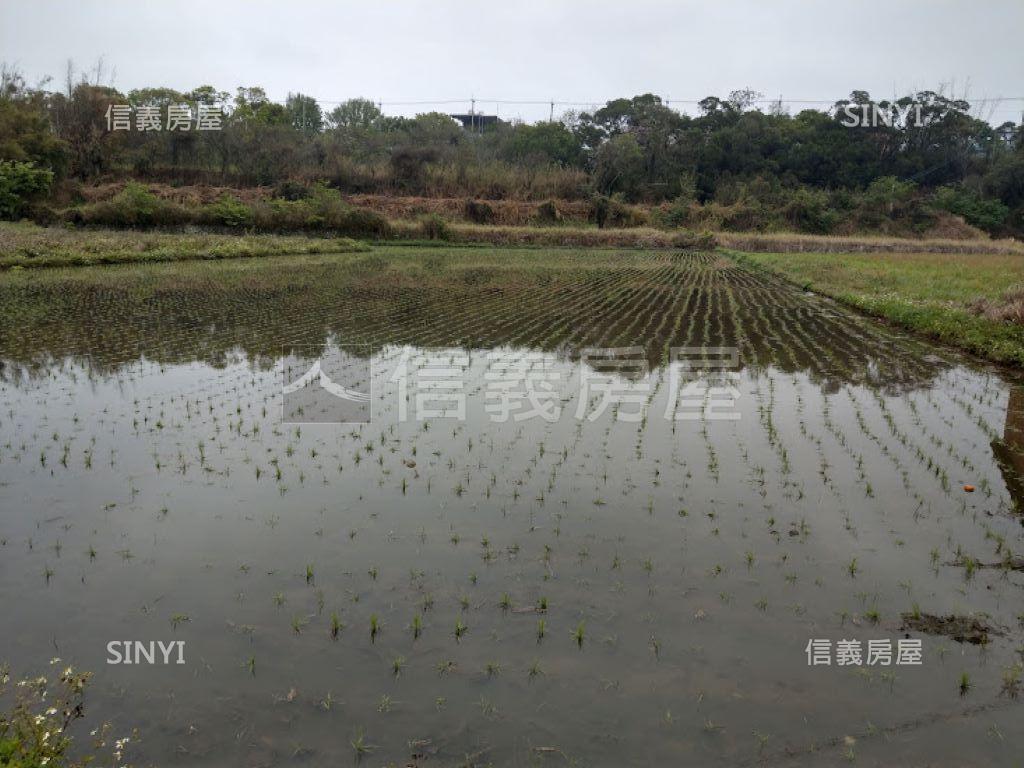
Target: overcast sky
(585, 51)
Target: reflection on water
(631, 591)
(1009, 452)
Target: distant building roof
(475, 121)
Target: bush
(361, 222)
(986, 213)
(808, 211)
(599, 208)
(20, 183)
(673, 215)
(322, 211)
(691, 241)
(608, 212)
(547, 213)
(229, 211)
(479, 212)
(292, 190)
(134, 206)
(433, 227)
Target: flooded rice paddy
(598, 585)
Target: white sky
(584, 51)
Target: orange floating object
(969, 488)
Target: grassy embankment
(971, 300)
(27, 245)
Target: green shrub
(808, 211)
(986, 213)
(433, 227)
(135, 206)
(322, 211)
(361, 222)
(20, 183)
(674, 215)
(229, 211)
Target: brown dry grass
(1008, 308)
(787, 242)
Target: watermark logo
(820, 652)
(180, 117)
(336, 384)
(332, 385)
(145, 652)
(888, 115)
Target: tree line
(633, 150)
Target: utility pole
(551, 114)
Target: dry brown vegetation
(1008, 308)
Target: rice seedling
(965, 683)
(541, 629)
(397, 665)
(460, 629)
(578, 634)
(1011, 682)
(375, 627)
(359, 744)
(336, 626)
(416, 626)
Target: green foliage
(758, 170)
(133, 206)
(808, 211)
(544, 143)
(988, 214)
(21, 182)
(35, 731)
(26, 245)
(354, 114)
(618, 165)
(433, 227)
(230, 211)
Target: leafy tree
(304, 113)
(354, 113)
(619, 165)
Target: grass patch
(27, 246)
(941, 295)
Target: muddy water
(150, 490)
